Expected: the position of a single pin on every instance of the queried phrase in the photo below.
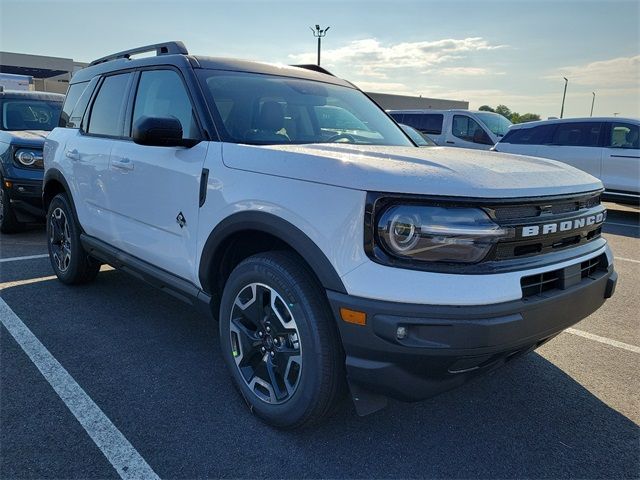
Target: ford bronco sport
(333, 256)
(25, 120)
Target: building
(50, 74)
(406, 102)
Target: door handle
(123, 164)
(72, 154)
(449, 141)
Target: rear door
(621, 158)
(577, 144)
(155, 190)
(87, 152)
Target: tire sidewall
(61, 201)
(310, 383)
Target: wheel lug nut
(261, 333)
(272, 353)
(268, 328)
(262, 349)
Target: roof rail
(166, 48)
(315, 68)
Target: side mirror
(159, 132)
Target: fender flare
(55, 174)
(279, 228)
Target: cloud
(467, 71)
(369, 57)
(616, 72)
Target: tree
(528, 117)
(486, 108)
(504, 111)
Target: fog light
(402, 332)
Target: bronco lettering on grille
(564, 226)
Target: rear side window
(624, 135)
(425, 122)
(578, 134)
(73, 94)
(108, 107)
(75, 103)
(397, 117)
(161, 93)
(528, 136)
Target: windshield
(270, 110)
(495, 122)
(22, 114)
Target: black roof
(166, 55)
(31, 95)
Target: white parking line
(28, 257)
(626, 259)
(125, 459)
(605, 340)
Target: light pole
(319, 34)
(593, 100)
(566, 81)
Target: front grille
(544, 212)
(563, 278)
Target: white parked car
(332, 250)
(605, 147)
(456, 128)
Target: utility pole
(319, 34)
(593, 100)
(566, 81)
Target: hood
(428, 171)
(24, 138)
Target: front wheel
(279, 340)
(70, 262)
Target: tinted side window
(108, 107)
(432, 123)
(397, 117)
(73, 94)
(468, 129)
(624, 135)
(161, 93)
(584, 134)
(528, 136)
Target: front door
(156, 189)
(621, 158)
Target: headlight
(437, 234)
(29, 157)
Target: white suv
(333, 255)
(606, 147)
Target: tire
(272, 302)
(8, 221)
(71, 264)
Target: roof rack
(315, 68)
(166, 48)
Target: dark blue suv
(25, 120)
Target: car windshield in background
(21, 114)
(266, 110)
(495, 122)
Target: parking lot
(152, 366)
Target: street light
(319, 33)
(566, 81)
(593, 100)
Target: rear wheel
(70, 262)
(279, 340)
(8, 221)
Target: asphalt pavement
(152, 366)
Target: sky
(490, 52)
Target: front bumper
(446, 346)
(25, 196)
